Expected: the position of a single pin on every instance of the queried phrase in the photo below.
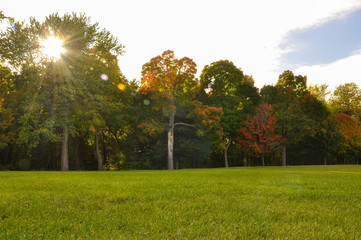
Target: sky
(317, 38)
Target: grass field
(304, 202)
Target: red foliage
(259, 133)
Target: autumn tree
(169, 81)
(351, 130)
(224, 85)
(258, 134)
(290, 96)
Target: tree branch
(228, 144)
(185, 124)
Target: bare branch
(185, 124)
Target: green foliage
(220, 79)
(293, 124)
(289, 83)
(69, 93)
(224, 85)
(347, 99)
(6, 113)
(319, 91)
(84, 102)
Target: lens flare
(121, 86)
(146, 102)
(104, 77)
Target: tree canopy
(74, 109)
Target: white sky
(247, 32)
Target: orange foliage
(167, 76)
(151, 128)
(209, 117)
(350, 129)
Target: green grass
(313, 202)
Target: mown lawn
(313, 202)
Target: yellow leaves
(240, 108)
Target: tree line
(80, 112)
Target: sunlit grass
(314, 202)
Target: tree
(170, 78)
(55, 93)
(258, 134)
(351, 131)
(347, 99)
(290, 89)
(290, 96)
(329, 136)
(319, 91)
(169, 81)
(6, 114)
(320, 134)
(223, 85)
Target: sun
(53, 47)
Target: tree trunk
(171, 141)
(283, 154)
(76, 153)
(64, 151)
(105, 152)
(99, 156)
(225, 151)
(14, 156)
(225, 158)
(325, 160)
(5, 155)
(263, 160)
(245, 160)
